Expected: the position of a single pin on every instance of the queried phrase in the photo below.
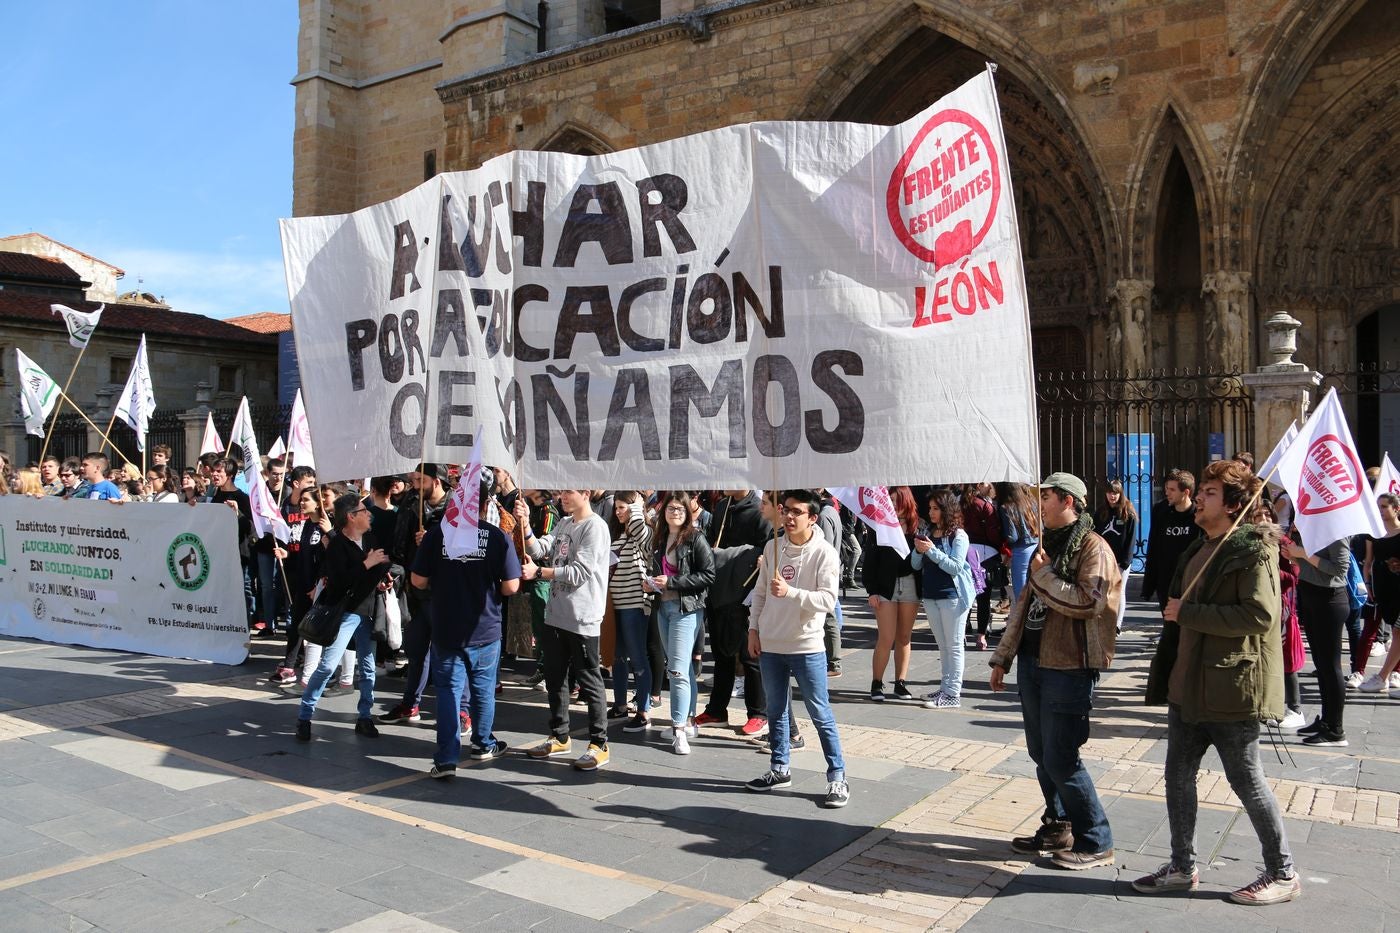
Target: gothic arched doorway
(1063, 211)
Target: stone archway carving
(1069, 234)
(1171, 132)
(575, 138)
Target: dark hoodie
(738, 532)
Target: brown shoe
(1078, 861)
(1052, 836)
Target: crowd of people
(632, 589)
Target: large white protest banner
(773, 304)
(159, 579)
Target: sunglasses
(68, 474)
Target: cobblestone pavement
(140, 792)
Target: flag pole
(1249, 506)
(105, 439)
(63, 394)
(427, 367)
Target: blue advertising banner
(1130, 460)
(288, 373)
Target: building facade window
(119, 369)
(230, 378)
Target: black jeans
(729, 646)
(563, 652)
(1323, 612)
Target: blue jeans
(678, 632)
(810, 672)
(1055, 708)
(632, 626)
(947, 622)
(474, 668)
(1020, 568)
(362, 630)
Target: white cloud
(217, 284)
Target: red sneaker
(466, 725)
(401, 713)
(754, 726)
(705, 719)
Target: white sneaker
(739, 690)
(1354, 679)
(1293, 721)
(680, 744)
(1372, 684)
(1378, 649)
(1395, 680)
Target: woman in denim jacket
(940, 554)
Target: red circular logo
(875, 505)
(944, 192)
(789, 572)
(1332, 477)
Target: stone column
(101, 412)
(194, 420)
(1227, 329)
(1282, 389)
(1128, 334)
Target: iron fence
(1134, 429)
(1370, 394)
(68, 437)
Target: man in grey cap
(1063, 630)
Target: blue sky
(156, 135)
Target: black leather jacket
(695, 570)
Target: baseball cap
(1068, 482)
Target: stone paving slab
(346, 833)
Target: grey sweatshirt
(1332, 564)
(793, 624)
(578, 552)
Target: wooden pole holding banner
(63, 394)
(1238, 519)
(105, 439)
(427, 376)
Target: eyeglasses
(676, 510)
(795, 513)
(69, 473)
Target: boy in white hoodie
(799, 576)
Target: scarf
(1062, 544)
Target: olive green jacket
(1235, 672)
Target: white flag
(460, 520)
(873, 505)
(277, 450)
(138, 399)
(1323, 476)
(1271, 461)
(242, 436)
(299, 435)
(81, 324)
(267, 517)
(38, 394)
(212, 443)
(1389, 479)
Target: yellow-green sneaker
(593, 759)
(551, 747)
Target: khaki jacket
(1081, 619)
(1235, 672)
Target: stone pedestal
(1227, 336)
(194, 420)
(1282, 389)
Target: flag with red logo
(1322, 473)
(872, 504)
(1389, 479)
(460, 521)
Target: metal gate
(1179, 419)
(1370, 394)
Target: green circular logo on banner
(187, 561)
